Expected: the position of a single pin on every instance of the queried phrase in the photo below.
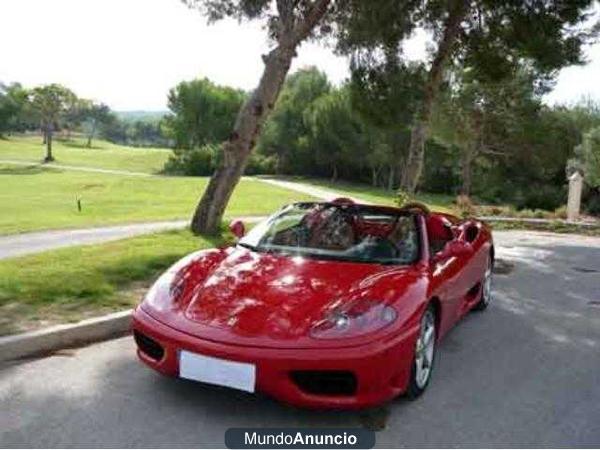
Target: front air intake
(325, 382)
(148, 346)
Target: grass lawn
(438, 202)
(78, 282)
(102, 155)
(36, 198)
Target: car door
(475, 263)
(451, 274)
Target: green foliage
(74, 152)
(386, 94)
(285, 133)
(146, 131)
(593, 204)
(490, 40)
(335, 131)
(13, 100)
(259, 164)
(542, 196)
(37, 197)
(441, 171)
(239, 9)
(201, 113)
(193, 162)
(70, 284)
(50, 103)
(402, 197)
(589, 154)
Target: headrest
(439, 226)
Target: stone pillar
(574, 201)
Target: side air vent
(148, 346)
(325, 382)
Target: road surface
(77, 168)
(27, 243)
(526, 372)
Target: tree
(201, 113)
(486, 118)
(290, 23)
(588, 155)
(386, 96)
(285, 132)
(335, 131)
(50, 103)
(114, 129)
(74, 115)
(491, 37)
(13, 99)
(95, 114)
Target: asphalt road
(526, 372)
(27, 243)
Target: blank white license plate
(221, 372)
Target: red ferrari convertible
(332, 304)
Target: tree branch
(285, 8)
(312, 17)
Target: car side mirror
(237, 228)
(455, 247)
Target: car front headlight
(354, 319)
(165, 291)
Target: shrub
(260, 165)
(195, 162)
(561, 212)
(202, 162)
(465, 206)
(545, 197)
(402, 197)
(592, 205)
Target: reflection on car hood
(250, 294)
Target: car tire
(486, 287)
(422, 365)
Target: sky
(129, 53)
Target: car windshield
(343, 232)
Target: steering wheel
(422, 207)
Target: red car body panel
(253, 307)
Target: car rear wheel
(424, 355)
(486, 287)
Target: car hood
(237, 295)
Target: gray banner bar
(299, 438)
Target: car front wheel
(486, 287)
(424, 355)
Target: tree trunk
(466, 165)
(374, 176)
(237, 149)
(418, 135)
(91, 135)
(391, 177)
(48, 139)
(334, 173)
(281, 163)
(471, 150)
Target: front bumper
(381, 369)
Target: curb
(35, 343)
(535, 221)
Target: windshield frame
(322, 254)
